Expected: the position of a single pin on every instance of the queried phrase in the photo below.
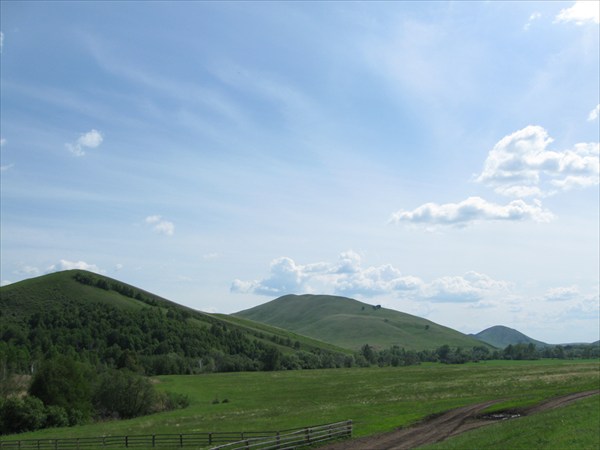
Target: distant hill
(102, 320)
(501, 336)
(349, 323)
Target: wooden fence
(222, 440)
(293, 439)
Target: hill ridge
(350, 323)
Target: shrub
(19, 415)
(124, 394)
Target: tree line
(397, 356)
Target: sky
(437, 158)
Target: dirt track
(441, 427)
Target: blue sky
(439, 158)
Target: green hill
(100, 320)
(350, 324)
(501, 336)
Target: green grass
(351, 324)
(377, 399)
(573, 427)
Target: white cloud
(471, 210)
(582, 12)
(594, 113)
(472, 287)
(561, 293)
(161, 226)
(5, 282)
(288, 277)
(64, 264)
(532, 18)
(91, 139)
(346, 276)
(8, 166)
(521, 161)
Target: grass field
(572, 427)
(377, 399)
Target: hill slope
(501, 336)
(351, 324)
(102, 320)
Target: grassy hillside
(501, 336)
(351, 324)
(102, 320)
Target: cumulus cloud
(2, 142)
(64, 264)
(594, 113)
(288, 277)
(582, 12)
(346, 277)
(473, 209)
(160, 225)
(91, 139)
(521, 161)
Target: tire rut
(450, 423)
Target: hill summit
(501, 336)
(350, 323)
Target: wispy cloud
(594, 113)
(471, 210)
(1, 41)
(582, 12)
(561, 293)
(4, 168)
(91, 139)
(160, 225)
(469, 288)
(532, 18)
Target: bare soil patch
(449, 424)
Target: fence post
(153, 440)
(181, 440)
(278, 440)
(126, 441)
(349, 428)
(209, 438)
(307, 434)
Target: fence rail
(256, 440)
(293, 439)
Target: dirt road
(445, 425)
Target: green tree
(65, 383)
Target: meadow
(574, 427)
(376, 399)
